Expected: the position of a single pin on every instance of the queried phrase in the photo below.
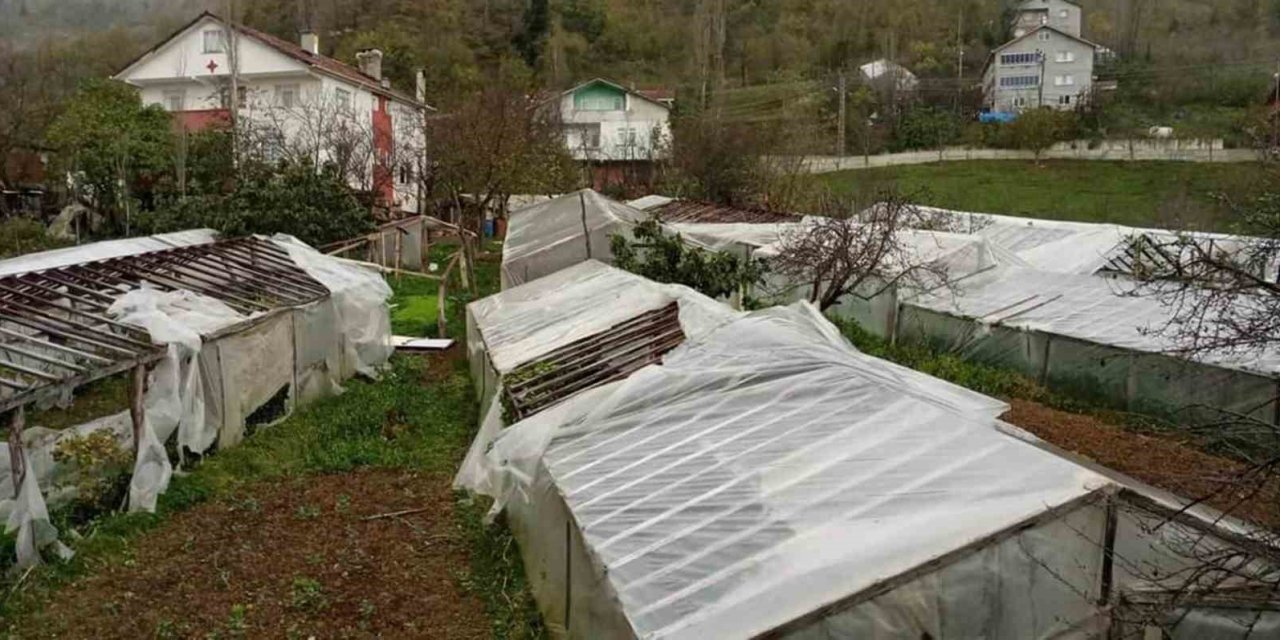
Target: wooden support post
(441, 293)
(399, 252)
(424, 245)
(17, 462)
(137, 412)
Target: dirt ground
(1165, 463)
(303, 558)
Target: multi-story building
(290, 100)
(1064, 15)
(1047, 64)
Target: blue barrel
(488, 228)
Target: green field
(1166, 194)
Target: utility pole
(959, 60)
(1040, 99)
(843, 89)
(1275, 124)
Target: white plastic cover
(767, 469)
(1085, 307)
(359, 296)
(520, 324)
(175, 393)
(552, 235)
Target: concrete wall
(1116, 150)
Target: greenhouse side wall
(1043, 582)
(1109, 376)
(571, 589)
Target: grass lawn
(287, 535)
(1178, 194)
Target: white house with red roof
(290, 99)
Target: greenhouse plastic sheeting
(549, 236)
(519, 324)
(764, 471)
(175, 392)
(359, 296)
(104, 250)
(1084, 307)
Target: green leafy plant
(666, 258)
(308, 595)
(100, 469)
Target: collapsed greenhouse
(762, 478)
(218, 337)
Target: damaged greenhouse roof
(56, 332)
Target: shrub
(24, 235)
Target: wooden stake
(17, 462)
(441, 292)
(137, 413)
(399, 252)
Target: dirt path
(1162, 462)
(296, 559)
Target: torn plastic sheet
(30, 519)
(175, 393)
(359, 296)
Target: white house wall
(650, 122)
(184, 57)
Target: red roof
(658, 94)
(324, 63)
(695, 211)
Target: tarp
(767, 469)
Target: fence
(1114, 150)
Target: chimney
(420, 86)
(310, 41)
(370, 63)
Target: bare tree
(865, 254)
(1222, 299)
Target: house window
(1019, 102)
(588, 136)
(287, 95)
(343, 99)
(1044, 36)
(1020, 81)
(1044, 18)
(1066, 56)
(214, 41)
(1064, 81)
(1064, 100)
(224, 97)
(1018, 58)
(627, 137)
(406, 172)
(591, 101)
(175, 100)
(1064, 14)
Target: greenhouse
(218, 337)
(546, 237)
(768, 480)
